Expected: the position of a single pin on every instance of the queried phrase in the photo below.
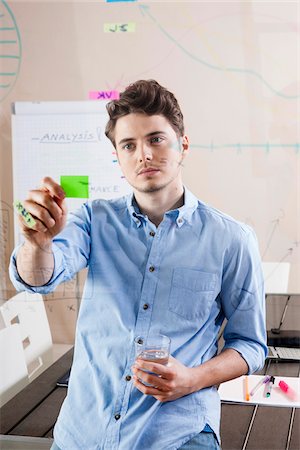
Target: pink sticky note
(104, 95)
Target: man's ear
(184, 146)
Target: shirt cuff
(254, 354)
(59, 273)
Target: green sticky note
(29, 220)
(75, 186)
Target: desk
(34, 410)
(253, 427)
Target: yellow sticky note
(128, 27)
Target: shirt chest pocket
(192, 293)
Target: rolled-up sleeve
(71, 250)
(243, 300)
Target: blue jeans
(203, 441)
(54, 446)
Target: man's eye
(128, 147)
(156, 140)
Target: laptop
(284, 353)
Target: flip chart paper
(64, 139)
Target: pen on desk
(288, 390)
(247, 396)
(270, 385)
(259, 384)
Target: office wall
(234, 68)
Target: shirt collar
(179, 215)
(186, 211)
(134, 210)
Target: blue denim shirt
(206, 269)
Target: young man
(159, 261)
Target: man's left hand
(169, 382)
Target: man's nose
(144, 153)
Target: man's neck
(156, 204)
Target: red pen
(288, 390)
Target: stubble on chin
(150, 188)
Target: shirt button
(145, 306)
(140, 341)
(128, 378)
(152, 233)
(117, 416)
(179, 220)
(151, 269)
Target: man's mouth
(148, 170)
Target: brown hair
(146, 97)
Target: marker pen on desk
(247, 396)
(270, 385)
(288, 390)
(259, 384)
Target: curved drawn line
(7, 74)
(163, 59)
(145, 9)
(7, 28)
(4, 85)
(8, 42)
(20, 47)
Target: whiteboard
(233, 66)
(61, 139)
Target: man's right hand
(48, 207)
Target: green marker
(29, 220)
(270, 385)
(75, 186)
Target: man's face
(149, 151)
